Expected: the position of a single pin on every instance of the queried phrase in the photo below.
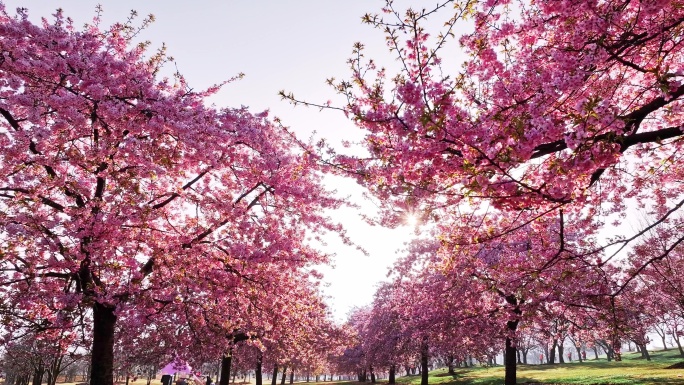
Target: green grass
(631, 370)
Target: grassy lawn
(632, 370)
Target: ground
(666, 367)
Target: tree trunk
(291, 375)
(509, 357)
(392, 372)
(509, 353)
(450, 364)
(552, 352)
(675, 337)
(38, 374)
(579, 353)
(372, 373)
(226, 362)
(257, 370)
(102, 358)
(561, 352)
(274, 378)
(282, 380)
(424, 361)
(644, 352)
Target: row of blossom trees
(138, 224)
(564, 122)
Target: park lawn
(632, 370)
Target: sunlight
(411, 220)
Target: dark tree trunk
(38, 374)
(524, 355)
(274, 378)
(282, 380)
(579, 353)
(424, 362)
(291, 375)
(372, 374)
(561, 352)
(392, 372)
(509, 358)
(552, 352)
(450, 364)
(509, 353)
(675, 337)
(257, 370)
(644, 352)
(226, 363)
(102, 358)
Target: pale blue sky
(290, 45)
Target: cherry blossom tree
(561, 107)
(117, 184)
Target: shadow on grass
(589, 365)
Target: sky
(292, 45)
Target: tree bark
(552, 352)
(450, 364)
(675, 337)
(274, 378)
(510, 376)
(291, 375)
(561, 352)
(226, 363)
(579, 353)
(644, 352)
(509, 353)
(424, 361)
(102, 358)
(38, 374)
(282, 380)
(372, 373)
(392, 372)
(257, 370)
